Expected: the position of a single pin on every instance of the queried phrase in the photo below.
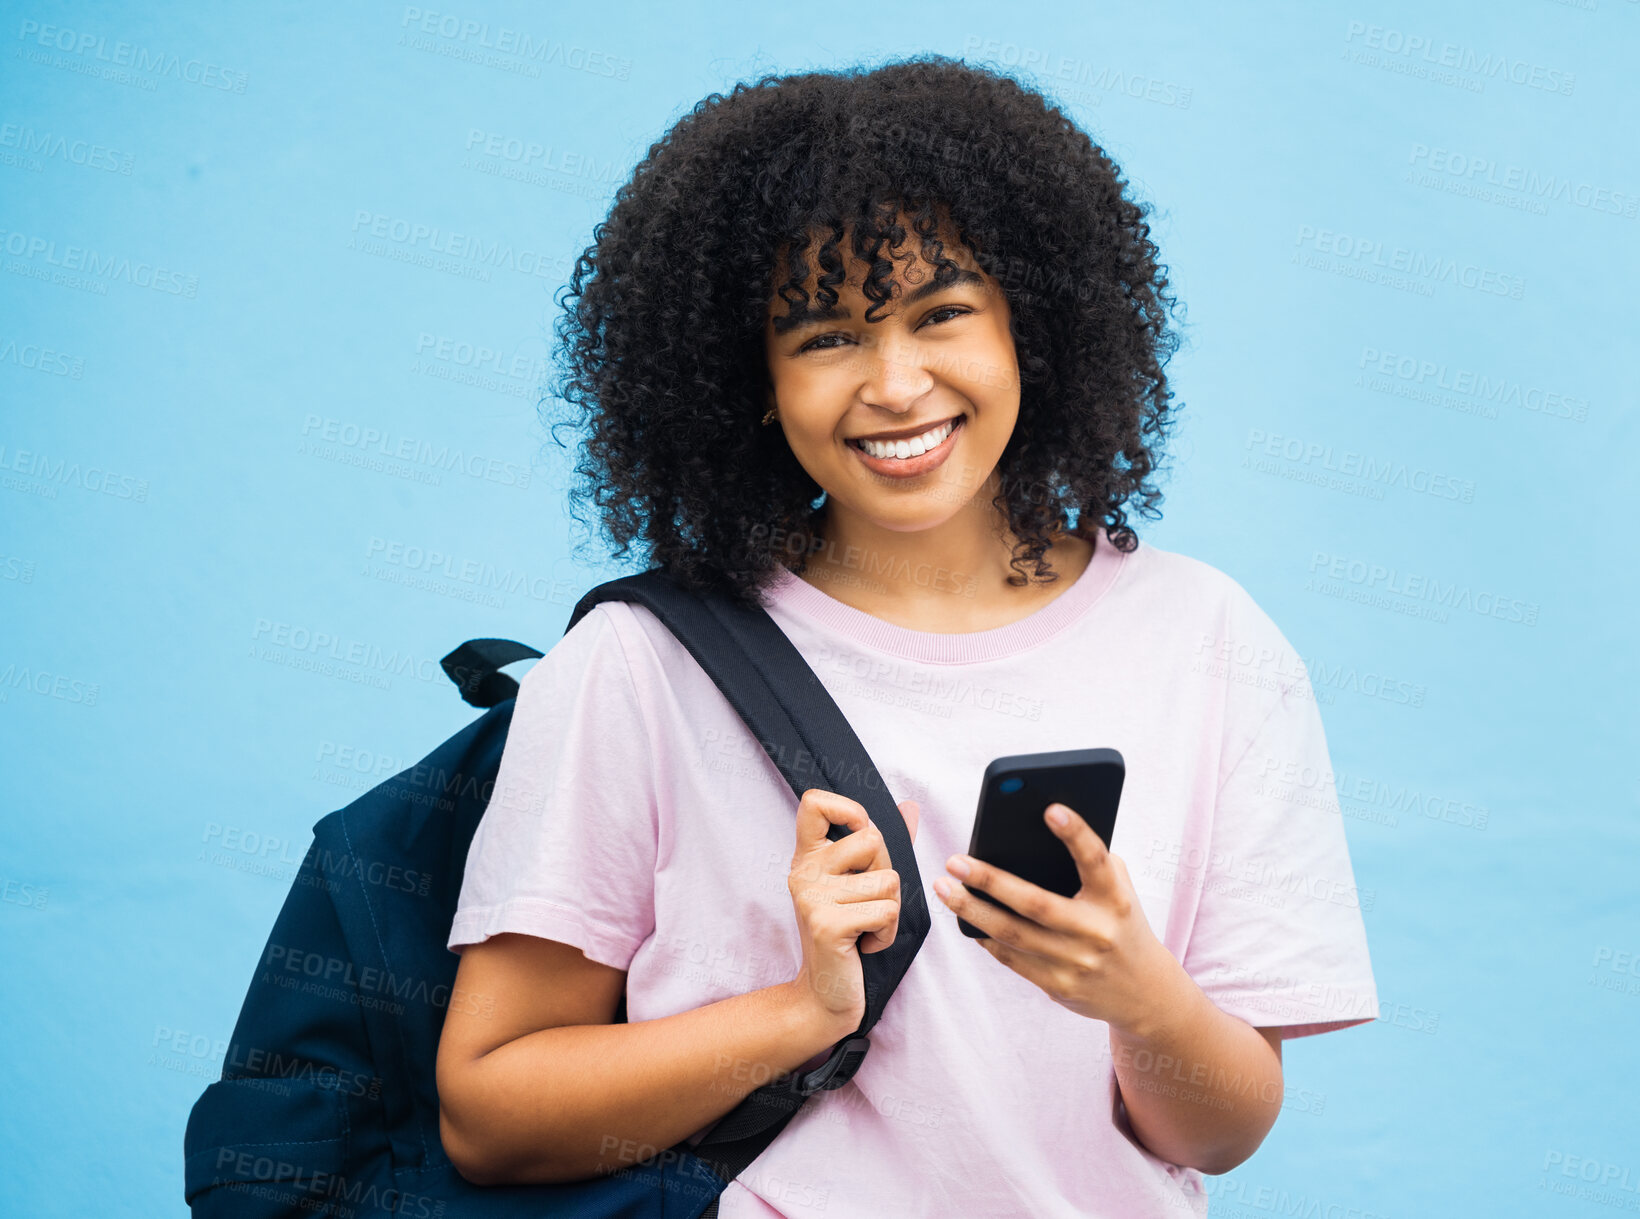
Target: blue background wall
(1382, 257)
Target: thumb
(910, 810)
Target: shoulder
(594, 680)
(606, 626)
(632, 630)
(1174, 572)
(1223, 624)
(596, 648)
(630, 636)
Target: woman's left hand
(1093, 953)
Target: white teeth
(914, 447)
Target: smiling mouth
(909, 447)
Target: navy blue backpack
(327, 1103)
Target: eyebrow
(809, 313)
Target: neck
(954, 573)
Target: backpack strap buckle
(837, 1070)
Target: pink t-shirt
(636, 818)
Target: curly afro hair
(661, 342)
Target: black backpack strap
(808, 738)
(476, 665)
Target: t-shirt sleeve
(566, 847)
(1278, 938)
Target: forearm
(1201, 1087)
(569, 1103)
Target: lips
(905, 434)
(912, 467)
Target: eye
(814, 344)
(958, 310)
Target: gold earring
(768, 418)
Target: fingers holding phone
(1011, 835)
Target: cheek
(1000, 376)
(814, 439)
(819, 453)
(990, 376)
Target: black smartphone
(1009, 831)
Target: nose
(894, 377)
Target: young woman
(884, 351)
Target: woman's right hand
(843, 891)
